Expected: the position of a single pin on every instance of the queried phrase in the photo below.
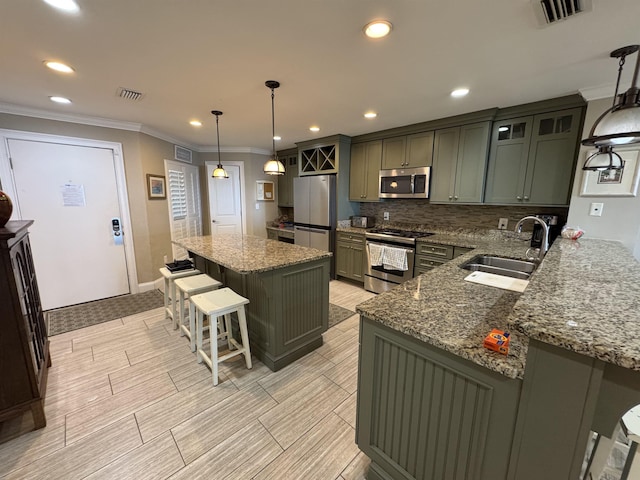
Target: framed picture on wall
(156, 187)
(616, 183)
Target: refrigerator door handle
(313, 230)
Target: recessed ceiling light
(277, 137)
(59, 99)
(314, 129)
(460, 92)
(59, 67)
(195, 123)
(370, 115)
(66, 5)
(377, 29)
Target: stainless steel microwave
(405, 183)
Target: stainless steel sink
(508, 267)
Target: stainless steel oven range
(378, 277)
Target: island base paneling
(425, 413)
(288, 309)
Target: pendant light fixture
(219, 172)
(273, 166)
(620, 124)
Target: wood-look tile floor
(126, 399)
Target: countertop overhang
(250, 254)
(584, 297)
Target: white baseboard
(145, 287)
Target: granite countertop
(250, 254)
(584, 297)
(440, 308)
(360, 231)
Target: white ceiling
(191, 56)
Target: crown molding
(213, 149)
(168, 138)
(66, 117)
(596, 93)
(120, 125)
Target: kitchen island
(287, 286)
(433, 403)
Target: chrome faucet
(545, 236)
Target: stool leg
(192, 326)
(227, 323)
(166, 297)
(199, 322)
(177, 322)
(242, 320)
(173, 301)
(213, 340)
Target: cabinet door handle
(526, 198)
(518, 197)
(456, 197)
(450, 197)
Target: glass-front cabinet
(531, 160)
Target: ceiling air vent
(183, 154)
(129, 94)
(550, 12)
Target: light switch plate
(502, 223)
(385, 216)
(596, 209)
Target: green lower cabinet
(350, 256)
(424, 413)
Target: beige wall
(620, 218)
(142, 154)
(253, 163)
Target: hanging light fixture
(219, 172)
(620, 124)
(604, 159)
(273, 166)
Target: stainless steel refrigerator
(315, 211)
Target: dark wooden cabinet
(24, 347)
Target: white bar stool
(215, 304)
(187, 287)
(170, 289)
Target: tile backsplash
(456, 216)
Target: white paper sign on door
(73, 195)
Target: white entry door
(71, 193)
(225, 204)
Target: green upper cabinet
(285, 182)
(532, 158)
(459, 163)
(407, 151)
(365, 168)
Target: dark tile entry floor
(86, 314)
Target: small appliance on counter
(358, 221)
(554, 230)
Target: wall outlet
(596, 209)
(502, 223)
(385, 215)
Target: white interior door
(225, 204)
(185, 216)
(71, 193)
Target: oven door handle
(408, 250)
